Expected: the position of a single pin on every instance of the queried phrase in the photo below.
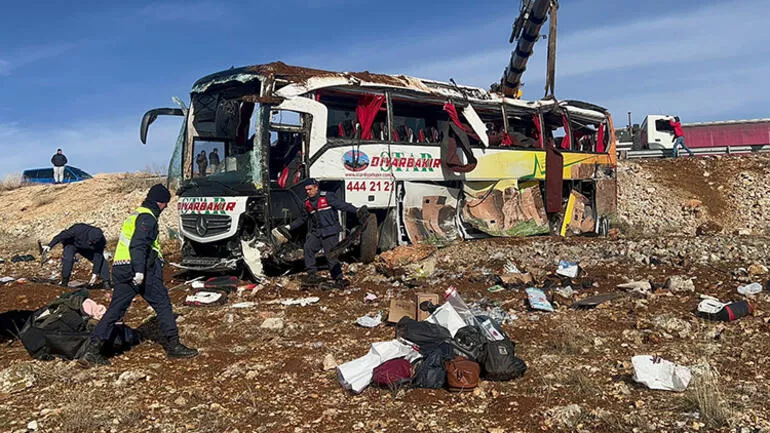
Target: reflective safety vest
(122, 252)
(323, 204)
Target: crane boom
(526, 31)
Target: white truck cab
(656, 132)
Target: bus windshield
(223, 145)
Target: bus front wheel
(367, 249)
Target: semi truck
(656, 133)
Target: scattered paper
(538, 300)
(300, 301)
(370, 297)
(244, 305)
(369, 321)
(657, 373)
(567, 269)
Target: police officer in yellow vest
(137, 269)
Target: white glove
(92, 280)
(107, 255)
(46, 249)
(138, 279)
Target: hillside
(688, 228)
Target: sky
(80, 75)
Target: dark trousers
(313, 245)
(153, 291)
(68, 260)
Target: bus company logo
(202, 205)
(355, 160)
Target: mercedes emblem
(201, 225)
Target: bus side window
(288, 143)
(417, 122)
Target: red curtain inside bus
(600, 139)
(565, 142)
(537, 132)
(452, 110)
(367, 109)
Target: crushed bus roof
(292, 81)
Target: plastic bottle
(453, 298)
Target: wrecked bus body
(433, 162)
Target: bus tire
(367, 249)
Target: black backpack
(431, 372)
(426, 335)
(61, 330)
(500, 362)
(470, 343)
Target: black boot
(65, 282)
(313, 278)
(175, 349)
(93, 356)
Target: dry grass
(569, 340)
(130, 182)
(583, 384)
(48, 372)
(11, 182)
(83, 414)
(43, 200)
(705, 396)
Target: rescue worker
(138, 270)
(320, 215)
(89, 242)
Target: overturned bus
(432, 161)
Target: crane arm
(526, 31)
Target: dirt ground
(252, 379)
(579, 378)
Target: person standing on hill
(678, 137)
(137, 269)
(59, 161)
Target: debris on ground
(370, 321)
(750, 289)
(657, 373)
(538, 300)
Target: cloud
(33, 54)
(668, 61)
(189, 11)
(96, 147)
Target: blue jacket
(320, 214)
(84, 237)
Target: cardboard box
(400, 308)
(419, 299)
(525, 278)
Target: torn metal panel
(429, 213)
(579, 216)
(505, 208)
(252, 257)
(237, 75)
(606, 197)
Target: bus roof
(292, 81)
